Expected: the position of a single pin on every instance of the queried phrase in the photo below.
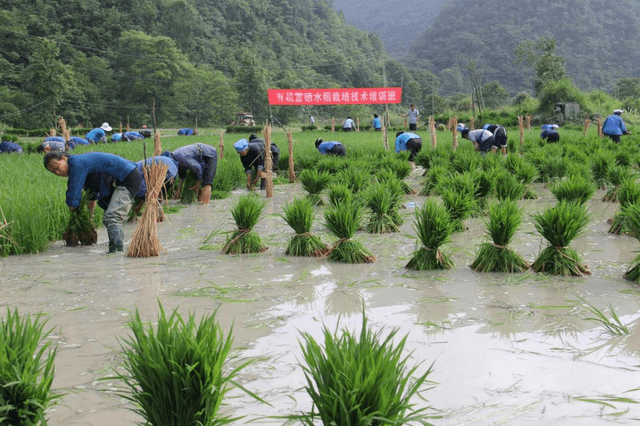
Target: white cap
(106, 127)
(617, 111)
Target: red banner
(375, 95)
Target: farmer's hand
(205, 194)
(71, 208)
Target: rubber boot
(263, 183)
(116, 237)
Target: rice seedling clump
(628, 194)
(576, 188)
(80, 230)
(383, 201)
(246, 213)
(187, 196)
(299, 215)
(314, 183)
(343, 220)
(433, 227)
(615, 176)
(631, 214)
(559, 225)
(459, 205)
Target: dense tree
(541, 55)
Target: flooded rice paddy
(513, 349)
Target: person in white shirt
(348, 125)
(413, 114)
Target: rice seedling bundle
(401, 169)
(628, 194)
(600, 163)
(80, 230)
(576, 188)
(615, 176)
(432, 181)
(508, 187)
(355, 177)
(459, 205)
(343, 220)
(26, 369)
(187, 196)
(361, 380)
(299, 215)
(466, 161)
(553, 168)
(144, 241)
(175, 370)
(314, 183)
(623, 158)
(246, 212)
(330, 164)
(383, 201)
(559, 225)
(631, 214)
(340, 193)
(504, 219)
(525, 172)
(433, 227)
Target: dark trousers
(413, 126)
(414, 146)
(338, 151)
(615, 138)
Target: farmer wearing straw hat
(202, 160)
(99, 134)
(252, 156)
(78, 167)
(331, 148)
(614, 127)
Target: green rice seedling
(330, 164)
(553, 168)
(631, 214)
(525, 172)
(383, 201)
(314, 183)
(339, 193)
(343, 220)
(246, 213)
(575, 188)
(424, 158)
(512, 162)
(615, 176)
(356, 178)
(459, 205)
(361, 380)
(581, 169)
(187, 196)
(628, 194)
(623, 158)
(27, 369)
(175, 371)
(433, 227)
(600, 163)
(80, 229)
(529, 194)
(434, 176)
(229, 176)
(559, 225)
(612, 325)
(508, 187)
(491, 163)
(401, 169)
(504, 219)
(466, 161)
(484, 187)
(299, 215)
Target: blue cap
(241, 145)
(461, 127)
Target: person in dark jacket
(499, 136)
(127, 184)
(202, 160)
(50, 146)
(331, 148)
(9, 147)
(551, 135)
(613, 126)
(187, 132)
(252, 156)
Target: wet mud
(510, 349)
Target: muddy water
(506, 348)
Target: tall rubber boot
(263, 184)
(116, 239)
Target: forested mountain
(93, 61)
(599, 40)
(397, 23)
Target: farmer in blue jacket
(406, 141)
(551, 135)
(99, 134)
(614, 127)
(127, 184)
(331, 148)
(187, 132)
(202, 160)
(9, 147)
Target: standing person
(551, 135)
(406, 141)
(614, 127)
(9, 147)
(312, 121)
(482, 139)
(499, 134)
(99, 134)
(331, 148)
(377, 125)
(413, 115)
(202, 160)
(348, 125)
(252, 157)
(78, 167)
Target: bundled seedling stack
(508, 187)
(433, 227)
(504, 219)
(615, 176)
(383, 201)
(80, 230)
(340, 193)
(632, 219)
(299, 215)
(574, 189)
(246, 213)
(559, 225)
(314, 183)
(459, 205)
(628, 194)
(343, 220)
(187, 196)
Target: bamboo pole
(521, 126)
(454, 130)
(333, 124)
(587, 123)
(357, 124)
(528, 122)
(221, 145)
(268, 161)
(600, 134)
(157, 144)
(128, 125)
(472, 123)
(432, 129)
(292, 170)
(196, 129)
(406, 124)
(385, 135)
(121, 129)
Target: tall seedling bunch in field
(576, 188)
(314, 183)
(299, 215)
(632, 218)
(343, 220)
(26, 369)
(600, 163)
(504, 219)
(459, 205)
(559, 225)
(357, 178)
(383, 201)
(434, 176)
(246, 213)
(340, 193)
(80, 230)
(187, 196)
(361, 380)
(615, 176)
(628, 194)
(508, 187)
(175, 372)
(433, 226)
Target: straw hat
(106, 127)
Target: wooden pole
(357, 124)
(221, 145)
(406, 124)
(333, 124)
(472, 123)
(157, 144)
(292, 170)
(268, 161)
(521, 126)
(528, 122)
(432, 128)
(128, 125)
(121, 129)
(600, 134)
(454, 129)
(587, 123)
(196, 129)
(385, 136)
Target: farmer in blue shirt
(549, 127)
(78, 167)
(551, 135)
(406, 141)
(78, 141)
(134, 136)
(187, 132)
(202, 160)
(331, 148)
(172, 172)
(377, 125)
(54, 139)
(614, 127)
(9, 147)
(99, 134)
(252, 157)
